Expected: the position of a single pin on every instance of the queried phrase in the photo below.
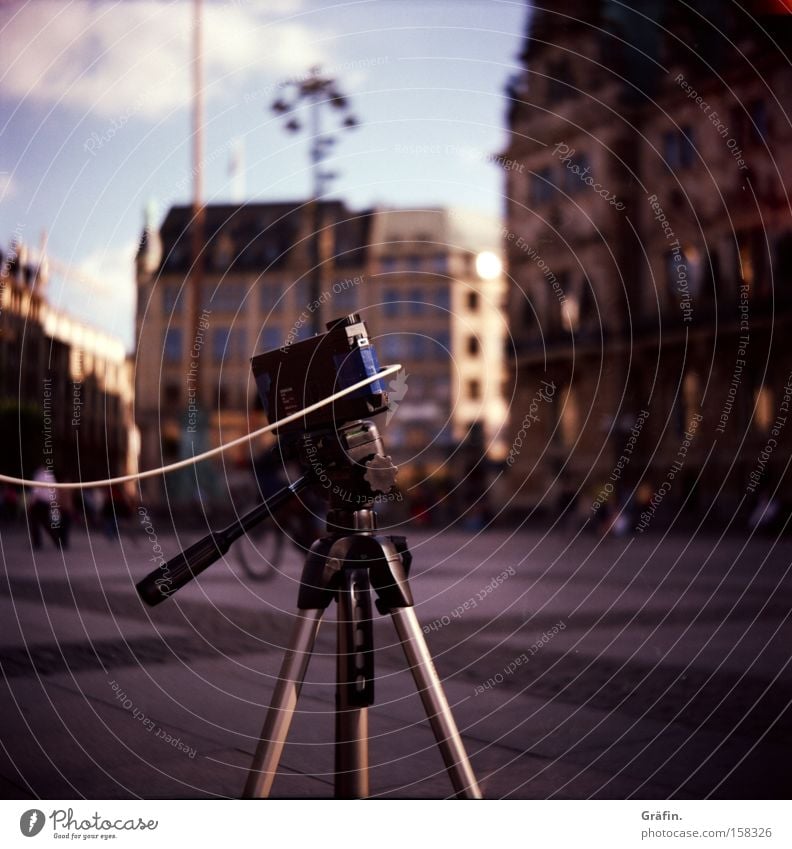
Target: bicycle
(259, 553)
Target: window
(472, 301)
(695, 268)
(568, 416)
(417, 386)
(529, 315)
(764, 407)
(750, 123)
(558, 82)
(570, 313)
(228, 344)
(223, 251)
(474, 390)
(443, 339)
(271, 338)
(691, 395)
(239, 345)
(219, 343)
(413, 262)
(392, 305)
(753, 252)
(439, 263)
(344, 296)
(672, 260)
(271, 297)
(473, 346)
(388, 263)
(177, 255)
(302, 294)
(392, 347)
(684, 273)
(679, 150)
(670, 150)
(171, 394)
(172, 351)
(228, 297)
(586, 306)
(555, 304)
(220, 397)
(417, 303)
(541, 187)
(442, 298)
(757, 110)
(687, 147)
(171, 302)
(575, 171)
(418, 346)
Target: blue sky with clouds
(95, 115)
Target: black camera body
(303, 373)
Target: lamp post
(316, 92)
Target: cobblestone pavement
(576, 668)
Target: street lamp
(315, 91)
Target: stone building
(428, 282)
(435, 304)
(648, 242)
(66, 388)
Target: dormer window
(559, 81)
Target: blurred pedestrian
(44, 510)
(765, 515)
(93, 502)
(10, 504)
(65, 507)
(115, 510)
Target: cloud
(100, 290)
(113, 269)
(136, 58)
(8, 187)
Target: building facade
(66, 389)
(648, 244)
(434, 307)
(412, 274)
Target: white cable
(386, 372)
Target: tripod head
(341, 456)
(349, 467)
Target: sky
(95, 117)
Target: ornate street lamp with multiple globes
(318, 94)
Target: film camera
(298, 375)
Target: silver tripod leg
(284, 700)
(435, 703)
(351, 727)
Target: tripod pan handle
(181, 569)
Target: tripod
(345, 566)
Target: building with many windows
(428, 282)
(435, 307)
(66, 389)
(649, 245)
